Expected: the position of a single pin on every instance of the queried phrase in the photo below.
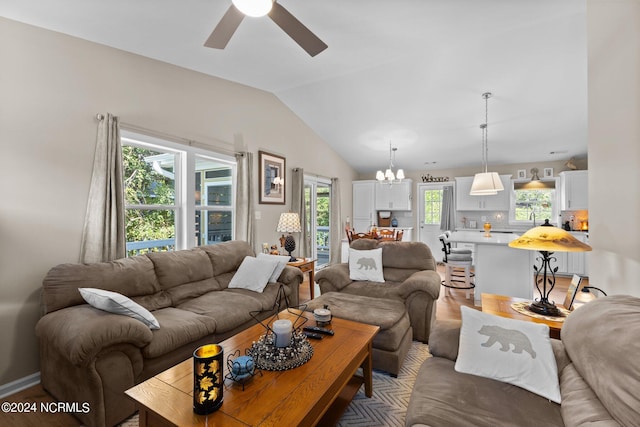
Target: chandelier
(388, 175)
(486, 183)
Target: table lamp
(289, 223)
(547, 239)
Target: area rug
(387, 407)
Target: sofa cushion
(226, 257)
(407, 255)
(177, 267)
(580, 405)
(266, 298)
(366, 265)
(253, 274)
(442, 397)
(509, 350)
(128, 276)
(282, 263)
(178, 327)
(229, 309)
(602, 338)
(116, 303)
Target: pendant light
(486, 183)
(388, 175)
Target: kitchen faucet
(533, 215)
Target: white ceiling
(409, 72)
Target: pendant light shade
(486, 183)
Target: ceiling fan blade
(296, 30)
(225, 28)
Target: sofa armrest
(333, 278)
(292, 277)
(80, 332)
(444, 339)
(421, 281)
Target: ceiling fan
(278, 14)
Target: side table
(500, 305)
(306, 265)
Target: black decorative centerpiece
(207, 378)
(547, 239)
(284, 346)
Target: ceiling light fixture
(253, 8)
(388, 174)
(486, 183)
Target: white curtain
(447, 215)
(103, 236)
(335, 233)
(244, 198)
(298, 205)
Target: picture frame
(574, 286)
(548, 173)
(522, 173)
(272, 178)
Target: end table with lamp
(306, 265)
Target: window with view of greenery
(158, 215)
(432, 206)
(533, 201)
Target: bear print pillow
(366, 265)
(508, 350)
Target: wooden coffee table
(316, 393)
(500, 305)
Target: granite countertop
(477, 237)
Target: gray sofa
(89, 355)
(598, 371)
(410, 277)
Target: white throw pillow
(282, 263)
(253, 274)
(116, 303)
(508, 350)
(366, 265)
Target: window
(176, 196)
(533, 202)
(432, 206)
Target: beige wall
(52, 86)
(614, 144)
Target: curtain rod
(178, 139)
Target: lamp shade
(289, 223)
(486, 183)
(549, 239)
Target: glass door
(430, 211)
(317, 197)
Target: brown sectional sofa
(89, 355)
(410, 277)
(598, 371)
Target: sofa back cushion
(226, 257)
(132, 277)
(602, 338)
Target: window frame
(185, 206)
(555, 207)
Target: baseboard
(19, 385)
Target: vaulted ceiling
(406, 72)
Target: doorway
(429, 216)
(317, 198)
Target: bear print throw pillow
(508, 350)
(366, 265)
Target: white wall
(614, 144)
(52, 86)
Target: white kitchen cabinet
(364, 209)
(395, 196)
(570, 263)
(467, 202)
(574, 195)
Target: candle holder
(241, 369)
(487, 229)
(207, 379)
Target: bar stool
(457, 263)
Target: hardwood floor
(448, 307)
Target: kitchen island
(498, 268)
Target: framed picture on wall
(522, 173)
(271, 179)
(548, 172)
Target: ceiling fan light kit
(231, 20)
(486, 183)
(254, 8)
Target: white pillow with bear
(366, 265)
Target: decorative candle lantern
(487, 229)
(207, 378)
(282, 330)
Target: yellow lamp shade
(550, 239)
